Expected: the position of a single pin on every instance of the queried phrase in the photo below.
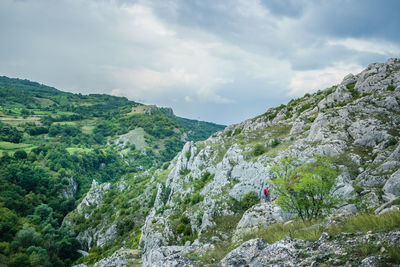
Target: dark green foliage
(37, 130)
(392, 141)
(303, 108)
(275, 142)
(9, 133)
(64, 137)
(20, 154)
(390, 88)
(199, 184)
(198, 130)
(259, 149)
(165, 165)
(187, 154)
(195, 198)
(125, 226)
(352, 90)
(249, 200)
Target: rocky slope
(356, 123)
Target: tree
(20, 154)
(305, 189)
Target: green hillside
(53, 144)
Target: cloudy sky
(221, 61)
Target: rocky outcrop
(260, 215)
(351, 122)
(392, 186)
(326, 251)
(356, 123)
(122, 257)
(93, 197)
(70, 190)
(245, 253)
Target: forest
(53, 144)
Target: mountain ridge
(197, 204)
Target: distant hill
(54, 144)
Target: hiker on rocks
(266, 194)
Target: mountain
(55, 145)
(208, 201)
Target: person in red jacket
(266, 194)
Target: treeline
(34, 199)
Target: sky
(215, 60)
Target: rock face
(356, 123)
(245, 253)
(94, 196)
(259, 216)
(293, 252)
(104, 232)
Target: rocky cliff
(197, 205)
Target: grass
(11, 147)
(136, 137)
(311, 231)
(74, 150)
(16, 121)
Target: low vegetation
(312, 230)
(305, 189)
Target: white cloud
(311, 80)
(370, 46)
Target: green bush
(305, 189)
(195, 198)
(392, 141)
(187, 154)
(180, 228)
(390, 87)
(303, 108)
(259, 150)
(185, 219)
(352, 90)
(20, 154)
(249, 200)
(275, 142)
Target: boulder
(392, 186)
(245, 253)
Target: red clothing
(266, 191)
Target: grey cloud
(207, 51)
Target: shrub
(392, 141)
(249, 200)
(390, 87)
(305, 189)
(165, 166)
(303, 108)
(259, 150)
(185, 219)
(187, 154)
(352, 90)
(20, 154)
(275, 142)
(195, 198)
(180, 228)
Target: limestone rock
(392, 186)
(260, 215)
(244, 254)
